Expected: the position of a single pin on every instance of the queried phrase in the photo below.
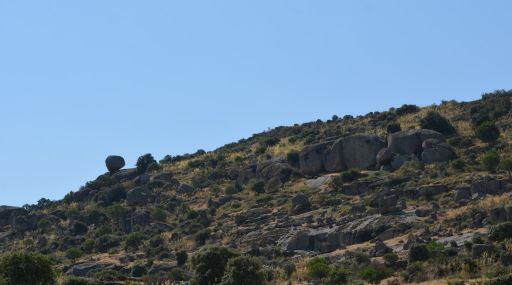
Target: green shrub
(26, 268)
(490, 161)
(318, 268)
(139, 270)
(106, 242)
(159, 215)
(243, 270)
(107, 275)
(418, 252)
(44, 224)
(144, 161)
(506, 165)
(501, 231)
(73, 253)
(393, 128)
(390, 258)
(487, 132)
(257, 186)
(88, 246)
(501, 280)
(375, 273)
(80, 281)
(458, 164)
(202, 236)
(210, 263)
(337, 276)
(435, 121)
(407, 109)
(134, 240)
(181, 257)
(230, 190)
(491, 107)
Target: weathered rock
(333, 157)
(273, 185)
(478, 250)
(380, 249)
(82, 269)
(300, 203)
(388, 204)
(399, 160)
(384, 156)
(138, 196)
(311, 158)
(250, 216)
(8, 214)
(498, 215)
(435, 150)
(360, 151)
(487, 185)
(423, 212)
(462, 193)
(185, 189)
(355, 188)
(410, 141)
(114, 163)
(140, 217)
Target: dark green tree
(375, 273)
(26, 268)
(490, 161)
(243, 270)
(435, 121)
(487, 132)
(210, 263)
(144, 162)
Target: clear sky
(83, 79)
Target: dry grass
(486, 204)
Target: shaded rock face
(360, 151)
(138, 196)
(357, 151)
(300, 203)
(384, 156)
(388, 204)
(114, 163)
(81, 270)
(355, 231)
(8, 214)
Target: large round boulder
(138, 196)
(410, 141)
(114, 163)
(300, 203)
(360, 151)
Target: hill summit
(410, 194)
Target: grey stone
(487, 185)
(311, 158)
(114, 163)
(384, 156)
(138, 196)
(462, 193)
(9, 213)
(300, 203)
(273, 185)
(360, 151)
(423, 212)
(410, 141)
(82, 269)
(388, 204)
(498, 215)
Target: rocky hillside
(411, 193)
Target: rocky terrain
(408, 195)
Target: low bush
(435, 121)
(318, 268)
(501, 231)
(487, 132)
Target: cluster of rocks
(371, 152)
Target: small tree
(506, 165)
(181, 257)
(337, 276)
(73, 253)
(375, 273)
(88, 246)
(243, 270)
(209, 264)
(419, 252)
(501, 231)
(435, 121)
(144, 161)
(490, 161)
(134, 240)
(26, 268)
(318, 267)
(487, 132)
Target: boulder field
(372, 152)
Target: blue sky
(83, 79)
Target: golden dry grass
(486, 204)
